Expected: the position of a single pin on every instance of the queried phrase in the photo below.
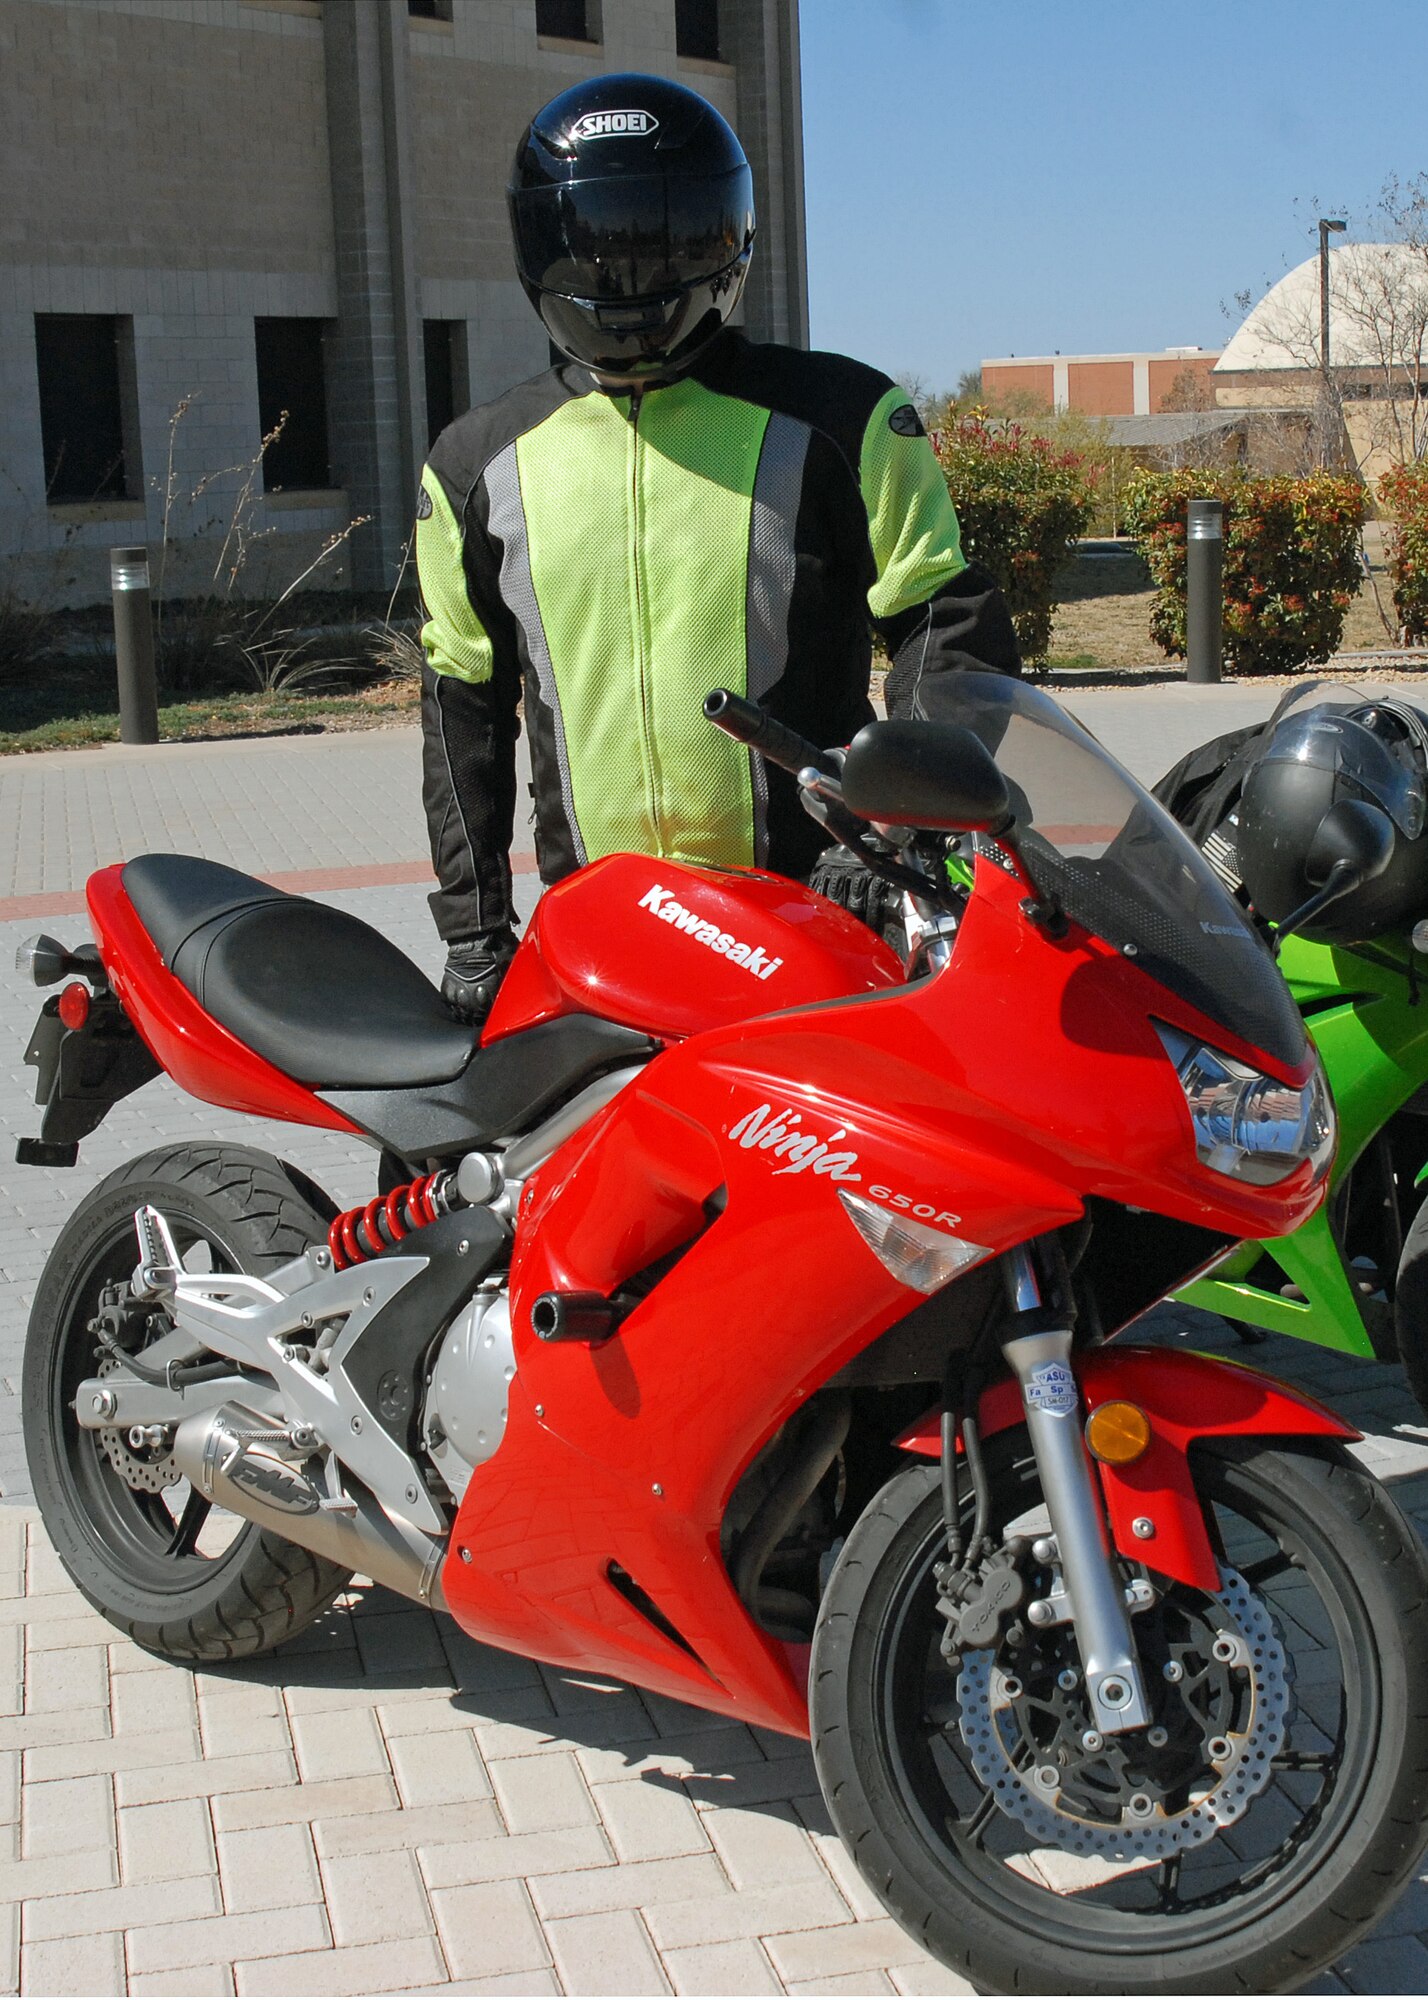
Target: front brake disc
(1238, 1767)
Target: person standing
(670, 508)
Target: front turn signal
(1118, 1433)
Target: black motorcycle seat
(319, 994)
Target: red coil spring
(360, 1233)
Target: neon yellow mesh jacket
(614, 558)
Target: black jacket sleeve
(470, 692)
(965, 624)
(469, 735)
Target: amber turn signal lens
(1118, 1433)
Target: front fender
(1187, 1397)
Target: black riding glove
(839, 875)
(475, 967)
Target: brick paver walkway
(386, 1805)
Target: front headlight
(1247, 1124)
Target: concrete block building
(224, 218)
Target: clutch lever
(823, 801)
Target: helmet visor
(633, 238)
(1370, 752)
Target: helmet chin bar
(662, 338)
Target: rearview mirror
(1351, 831)
(1352, 844)
(930, 774)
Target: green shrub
(1022, 501)
(1291, 561)
(1403, 490)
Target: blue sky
(1017, 176)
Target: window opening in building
(567, 20)
(291, 378)
(81, 407)
(430, 10)
(445, 388)
(696, 29)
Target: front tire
(1345, 1582)
(1410, 1307)
(181, 1581)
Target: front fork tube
(1042, 1364)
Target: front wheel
(1240, 1843)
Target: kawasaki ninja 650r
(731, 1319)
(1355, 1275)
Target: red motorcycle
(733, 1319)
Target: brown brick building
(243, 207)
(1098, 385)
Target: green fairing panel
(1373, 1040)
(676, 490)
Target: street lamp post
(1327, 225)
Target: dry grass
(1103, 620)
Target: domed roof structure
(1378, 310)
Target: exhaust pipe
(221, 1453)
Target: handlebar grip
(747, 723)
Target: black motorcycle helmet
(632, 210)
(1313, 760)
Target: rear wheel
(180, 1576)
(1242, 1842)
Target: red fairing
(1187, 1397)
(673, 950)
(200, 1056)
(993, 1098)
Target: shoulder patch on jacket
(906, 422)
(423, 506)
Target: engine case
(465, 1416)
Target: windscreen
(1116, 862)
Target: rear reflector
(74, 1004)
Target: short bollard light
(1204, 589)
(134, 645)
(1118, 1433)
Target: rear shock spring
(360, 1233)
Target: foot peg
(582, 1316)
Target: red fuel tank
(674, 950)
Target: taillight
(74, 1004)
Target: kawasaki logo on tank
(662, 904)
(615, 125)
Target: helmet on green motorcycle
(1316, 758)
(632, 212)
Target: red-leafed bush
(1403, 490)
(1022, 502)
(1291, 561)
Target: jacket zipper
(641, 664)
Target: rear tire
(952, 1868)
(260, 1589)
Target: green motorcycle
(1355, 1277)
